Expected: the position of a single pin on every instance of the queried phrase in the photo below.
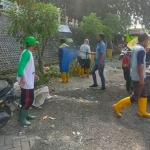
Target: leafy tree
(139, 9)
(112, 22)
(78, 8)
(125, 22)
(0, 9)
(34, 19)
(91, 25)
(112, 26)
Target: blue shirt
(101, 49)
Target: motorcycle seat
(3, 85)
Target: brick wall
(10, 49)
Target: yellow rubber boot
(79, 71)
(142, 104)
(82, 73)
(88, 72)
(63, 78)
(121, 104)
(67, 77)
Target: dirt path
(83, 119)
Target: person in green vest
(25, 77)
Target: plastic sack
(40, 95)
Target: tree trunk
(40, 62)
(41, 55)
(111, 44)
(106, 44)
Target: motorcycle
(7, 97)
(125, 57)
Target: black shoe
(103, 88)
(94, 85)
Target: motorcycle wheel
(6, 109)
(120, 57)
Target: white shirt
(84, 49)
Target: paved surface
(17, 142)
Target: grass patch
(109, 58)
(53, 72)
(43, 80)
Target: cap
(31, 41)
(142, 37)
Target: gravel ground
(83, 119)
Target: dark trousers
(101, 74)
(85, 63)
(27, 98)
(138, 92)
